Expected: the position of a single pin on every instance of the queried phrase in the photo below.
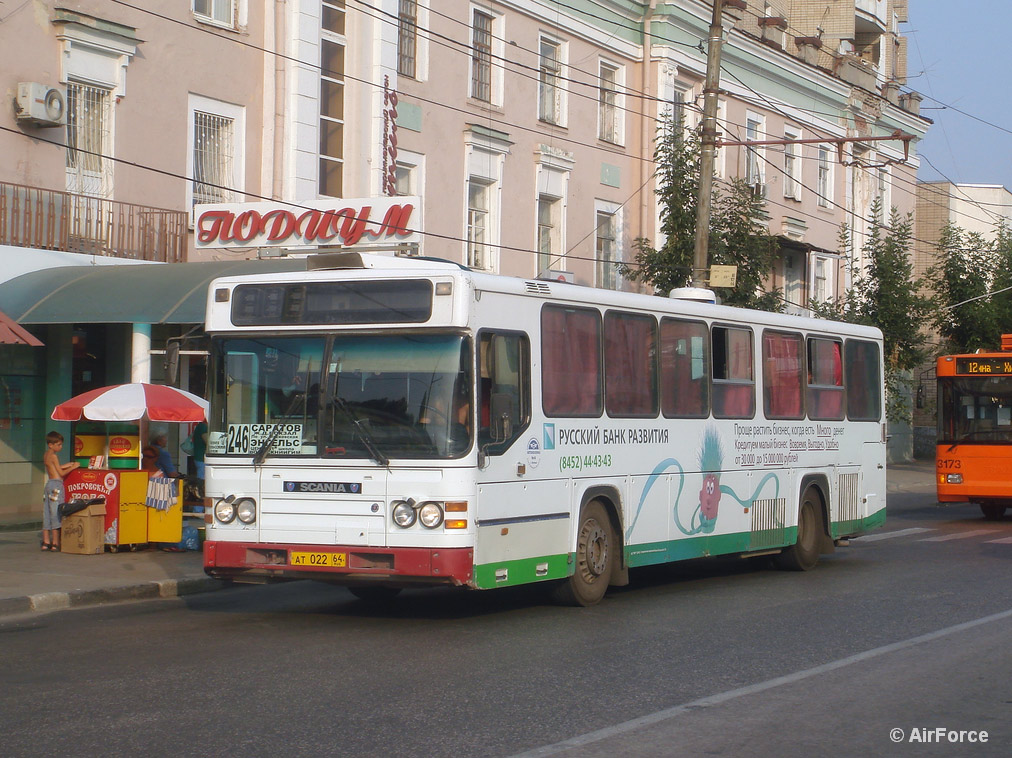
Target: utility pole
(708, 148)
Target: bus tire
(595, 559)
(377, 594)
(992, 511)
(803, 555)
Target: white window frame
(882, 188)
(824, 175)
(607, 274)
(611, 103)
(549, 231)
(226, 14)
(497, 53)
(484, 159)
(554, 169)
(237, 114)
(755, 157)
(792, 163)
(822, 279)
(331, 37)
(552, 100)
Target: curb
(54, 601)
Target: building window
(213, 158)
(608, 109)
(820, 289)
(549, 89)
(825, 179)
(882, 190)
(755, 168)
(479, 254)
(89, 142)
(606, 250)
(549, 233)
(407, 38)
(481, 57)
(331, 182)
(219, 12)
(792, 164)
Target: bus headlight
(224, 511)
(954, 478)
(404, 513)
(246, 510)
(431, 515)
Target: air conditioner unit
(41, 105)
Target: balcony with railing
(54, 220)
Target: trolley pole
(708, 148)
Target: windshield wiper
(363, 432)
(261, 455)
(969, 436)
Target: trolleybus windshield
(975, 409)
(347, 397)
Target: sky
(959, 55)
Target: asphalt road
(908, 629)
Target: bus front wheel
(595, 559)
(803, 555)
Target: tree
(738, 235)
(886, 295)
(968, 268)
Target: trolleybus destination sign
(347, 223)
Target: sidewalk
(32, 580)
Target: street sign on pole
(723, 276)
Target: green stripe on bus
(523, 571)
(526, 570)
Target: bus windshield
(350, 396)
(975, 409)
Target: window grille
(481, 57)
(407, 37)
(89, 144)
(213, 158)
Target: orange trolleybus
(973, 459)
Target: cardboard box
(84, 532)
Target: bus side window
(504, 389)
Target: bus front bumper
(257, 563)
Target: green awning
(170, 293)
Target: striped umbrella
(129, 402)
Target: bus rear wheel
(803, 555)
(595, 559)
(992, 511)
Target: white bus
(386, 422)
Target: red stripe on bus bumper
(233, 560)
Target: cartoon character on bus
(703, 519)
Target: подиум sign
(346, 223)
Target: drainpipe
(646, 167)
(278, 165)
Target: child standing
(54, 494)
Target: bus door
(523, 514)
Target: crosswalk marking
(890, 535)
(958, 535)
